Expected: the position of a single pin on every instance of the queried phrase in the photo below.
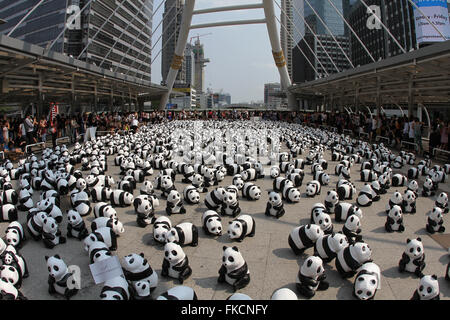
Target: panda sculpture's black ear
(434, 277)
(419, 239)
(57, 256)
(224, 248)
(46, 258)
(408, 240)
(235, 249)
(141, 254)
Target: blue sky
(241, 56)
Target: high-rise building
(272, 98)
(200, 63)
(317, 53)
(397, 15)
(286, 32)
(189, 57)
(115, 35)
(173, 11)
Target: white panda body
(183, 234)
(241, 227)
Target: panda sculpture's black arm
(222, 273)
(388, 225)
(403, 262)
(165, 268)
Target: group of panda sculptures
(80, 174)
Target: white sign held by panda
(106, 269)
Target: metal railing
(416, 146)
(42, 144)
(349, 131)
(62, 138)
(440, 151)
(363, 134)
(378, 138)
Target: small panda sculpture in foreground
(136, 269)
(14, 235)
(428, 289)
(284, 294)
(367, 281)
(234, 269)
(413, 258)
(311, 277)
(116, 289)
(179, 293)
(60, 280)
(175, 263)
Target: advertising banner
(437, 13)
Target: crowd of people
(18, 132)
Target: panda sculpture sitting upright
(394, 220)
(442, 202)
(275, 206)
(234, 269)
(435, 221)
(409, 202)
(427, 188)
(76, 227)
(175, 263)
(311, 277)
(60, 280)
(174, 203)
(230, 203)
(413, 258)
(161, 226)
(331, 201)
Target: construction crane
(198, 36)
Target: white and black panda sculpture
(161, 226)
(191, 195)
(442, 202)
(120, 198)
(413, 258)
(76, 227)
(234, 269)
(349, 260)
(313, 188)
(211, 223)
(435, 221)
(183, 234)
(394, 220)
(115, 289)
(8, 213)
(60, 280)
(178, 293)
(214, 198)
(344, 209)
(311, 277)
(241, 227)
(15, 235)
(251, 191)
(428, 288)
(175, 263)
(174, 203)
(136, 269)
(103, 234)
(331, 201)
(367, 281)
(304, 237)
(275, 207)
(329, 245)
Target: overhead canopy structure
(421, 76)
(29, 73)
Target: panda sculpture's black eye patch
(429, 289)
(174, 253)
(231, 259)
